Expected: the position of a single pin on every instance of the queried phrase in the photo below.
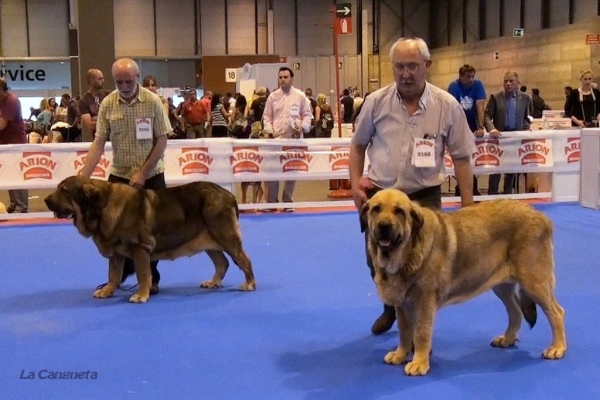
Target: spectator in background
(470, 93)
(206, 99)
(313, 105)
(63, 108)
(74, 121)
(174, 121)
(52, 108)
(230, 100)
(583, 103)
(507, 110)
(347, 107)
(323, 117)
(287, 115)
(238, 122)
(567, 91)
(538, 105)
(356, 104)
(42, 123)
(185, 95)
(357, 111)
(149, 82)
(255, 114)
(196, 116)
(90, 103)
(67, 114)
(12, 131)
(220, 117)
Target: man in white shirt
(287, 115)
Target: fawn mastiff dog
(425, 260)
(147, 225)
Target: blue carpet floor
(303, 334)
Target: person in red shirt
(12, 131)
(196, 115)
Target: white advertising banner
(539, 151)
(42, 166)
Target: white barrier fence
(226, 161)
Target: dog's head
(392, 221)
(77, 198)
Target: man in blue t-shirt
(470, 93)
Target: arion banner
(41, 166)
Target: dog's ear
(363, 217)
(414, 258)
(90, 194)
(416, 222)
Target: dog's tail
(528, 308)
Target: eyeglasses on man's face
(410, 67)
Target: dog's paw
(139, 298)
(416, 369)
(503, 341)
(396, 357)
(104, 292)
(554, 353)
(248, 286)
(211, 285)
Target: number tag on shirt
(294, 111)
(143, 128)
(423, 155)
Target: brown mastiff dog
(425, 260)
(147, 225)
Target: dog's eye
(376, 208)
(399, 211)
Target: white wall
(175, 28)
(48, 28)
(134, 28)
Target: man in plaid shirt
(132, 117)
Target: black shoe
(12, 209)
(385, 321)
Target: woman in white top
(63, 108)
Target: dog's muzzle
(387, 237)
(57, 210)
